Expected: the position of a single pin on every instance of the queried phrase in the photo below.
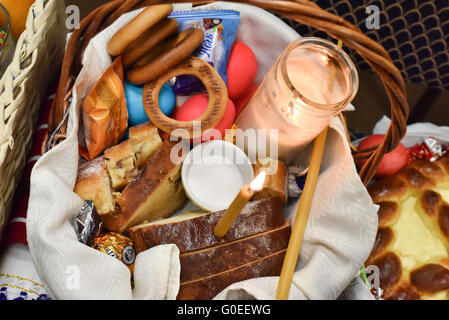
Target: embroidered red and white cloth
(19, 279)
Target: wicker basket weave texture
(36, 63)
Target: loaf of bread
(412, 243)
(208, 287)
(205, 262)
(155, 193)
(253, 247)
(102, 179)
(275, 181)
(195, 231)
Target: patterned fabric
(13, 287)
(414, 32)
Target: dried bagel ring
(218, 98)
(136, 27)
(160, 49)
(168, 60)
(148, 40)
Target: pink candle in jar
(311, 82)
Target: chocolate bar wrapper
(220, 30)
(117, 246)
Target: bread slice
(206, 262)
(145, 140)
(93, 184)
(125, 160)
(102, 179)
(155, 193)
(192, 232)
(208, 287)
(121, 164)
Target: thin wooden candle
(245, 194)
(302, 214)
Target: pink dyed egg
(242, 70)
(193, 108)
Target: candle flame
(258, 182)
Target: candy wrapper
(424, 140)
(220, 30)
(87, 223)
(117, 246)
(429, 150)
(105, 117)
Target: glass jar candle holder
(311, 82)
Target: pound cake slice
(209, 261)
(193, 232)
(145, 140)
(125, 160)
(93, 183)
(208, 287)
(412, 243)
(101, 179)
(155, 193)
(121, 164)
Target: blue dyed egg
(134, 101)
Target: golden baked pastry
(412, 243)
(121, 164)
(145, 140)
(155, 193)
(126, 159)
(102, 179)
(93, 183)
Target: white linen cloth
(338, 239)
(416, 132)
(18, 277)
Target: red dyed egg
(392, 162)
(242, 70)
(193, 108)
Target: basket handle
(302, 11)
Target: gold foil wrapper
(117, 246)
(105, 117)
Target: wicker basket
(303, 11)
(300, 10)
(36, 63)
(41, 47)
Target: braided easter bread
(412, 243)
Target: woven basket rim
(16, 74)
(18, 113)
